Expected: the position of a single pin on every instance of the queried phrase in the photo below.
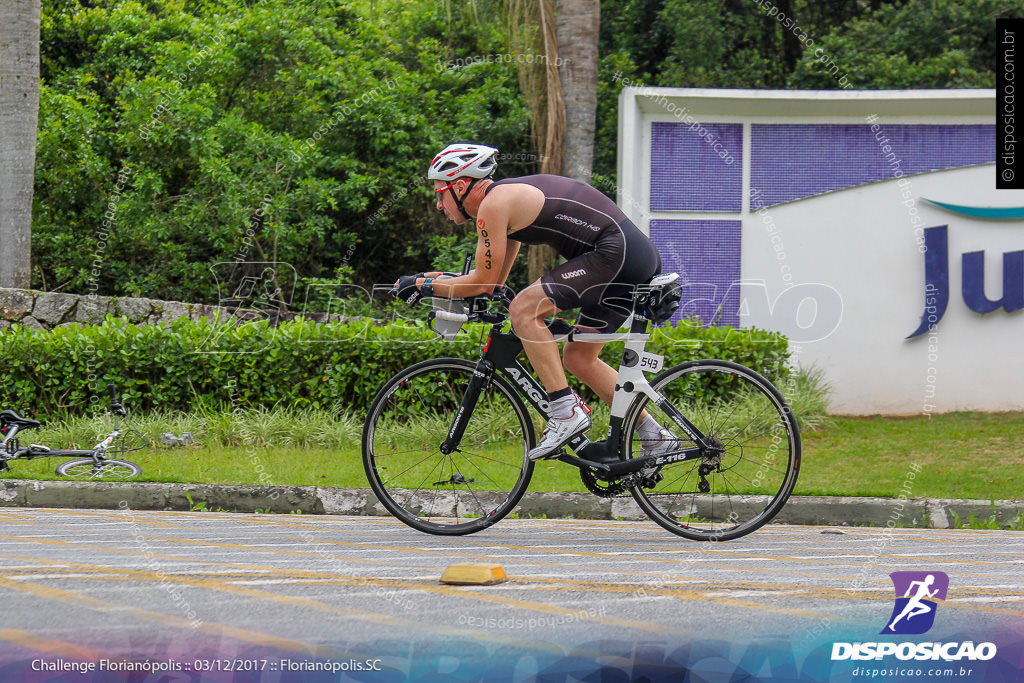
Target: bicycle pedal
(556, 454)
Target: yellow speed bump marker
(474, 574)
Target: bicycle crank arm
(623, 467)
(581, 463)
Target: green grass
(960, 455)
(990, 522)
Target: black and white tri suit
(606, 255)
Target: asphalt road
(216, 594)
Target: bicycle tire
(110, 469)
(741, 412)
(427, 489)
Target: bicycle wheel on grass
(456, 493)
(109, 469)
(744, 483)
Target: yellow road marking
(447, 553)
(315, 605)
(86, 602)
(77, 599)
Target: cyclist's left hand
(406, 290)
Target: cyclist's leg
(566, 417)
(610, 273)
(527, 312)
(582, 358)
(607, 307)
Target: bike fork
(481, 377)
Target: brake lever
(504, 294)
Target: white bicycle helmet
(463, 160)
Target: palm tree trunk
(532, 31)
(578, 24)
(19, 114)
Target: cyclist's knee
(578, 357)
(517, 310)
(531, 305)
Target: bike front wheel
(109, 469)
(454, 493)
(742, 481)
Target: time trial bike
(445, 441)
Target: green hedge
(64, 371)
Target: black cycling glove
(407, 291)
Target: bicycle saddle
(9, 417)
(659, 280)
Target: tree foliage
(794, 44)
(175, 134)
(271, 118)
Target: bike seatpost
(115, 406)
(12, 431)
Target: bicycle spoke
(749, 470)
(484, 474)
(407, 443)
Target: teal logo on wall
(987, 212)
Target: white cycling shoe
(558, 432)
(667, 442)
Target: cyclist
(606, 257)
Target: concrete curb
(935, 513)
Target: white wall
(853, 256)
(860, 243)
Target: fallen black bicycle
(91, 463)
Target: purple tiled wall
(688, 173)
(794, 161)
(706, 254)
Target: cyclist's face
(446, 203)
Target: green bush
(173, 136)
(297, 364)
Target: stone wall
(46, 310)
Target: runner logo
(914, 614)
(916, 595)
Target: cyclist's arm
(511, 251)
(492, 261)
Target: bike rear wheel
(743, 482)
(109, 469)
(456, 493)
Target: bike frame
(501, 355)
(33, 451)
